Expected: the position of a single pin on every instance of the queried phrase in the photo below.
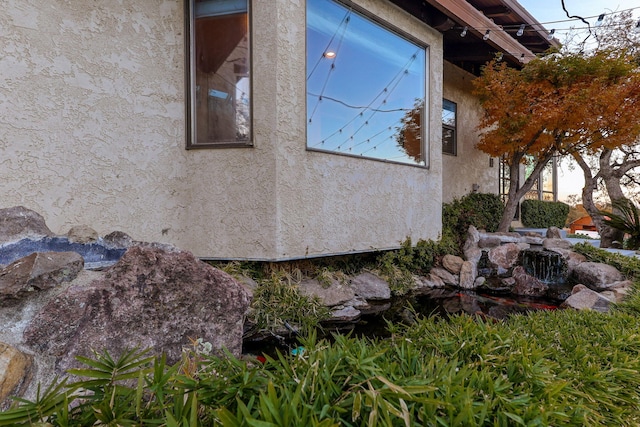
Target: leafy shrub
(398, 266)
(277, 301)
(543, 214)
(481, 210)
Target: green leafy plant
(399, 266)
(278, 300)
(481, 210)
(627, 221)
(543, 214)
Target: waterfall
(547, 266)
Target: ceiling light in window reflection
(329, 54)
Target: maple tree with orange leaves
(560, 104)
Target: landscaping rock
(19, 223)
(504, 257)
(38, 271)
(82, 234)
(527, 285)
(150, 299)
(447, 278)
(15, 371)
(489, 242)
(335, 293)
(370, 287)
(425, 283)
(554, 233)
(468, 275)
(583, 298)
(556, 244)
(118, 239)
(597, 276)
(452, 263)
(345, 314)
(620, 290)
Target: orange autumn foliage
(559, 104)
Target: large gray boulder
(597, 276)
(583, 298)
(151, 298)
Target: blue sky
(549, 11)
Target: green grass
(548, 368)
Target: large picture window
(366, 86)
(219, 84)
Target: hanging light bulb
(600, 19)
(486, 35)
(464, 31)
(522, 58)
(550, 35)
(520, 30)
(499, 56)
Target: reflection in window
(365, 87)
(449, 144)
(545, 187)
(219, 73)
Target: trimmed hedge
(541, 214)
(482, 210)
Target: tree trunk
(611, 179)
(607, 234)
(517, 193)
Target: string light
(550, 35)
(486, 35)
(520, 30)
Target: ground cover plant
(560, 367)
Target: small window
(449, 142)
(219, 84)
(366, 86)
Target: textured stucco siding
(331, 203)
(92, 131)
(470, 166)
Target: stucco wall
(333, 203)
(470, 166)
(92, 132)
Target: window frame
(190, 84)
(453, 129)
(425, 125)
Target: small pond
(436, 302)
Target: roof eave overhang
(467, 15)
